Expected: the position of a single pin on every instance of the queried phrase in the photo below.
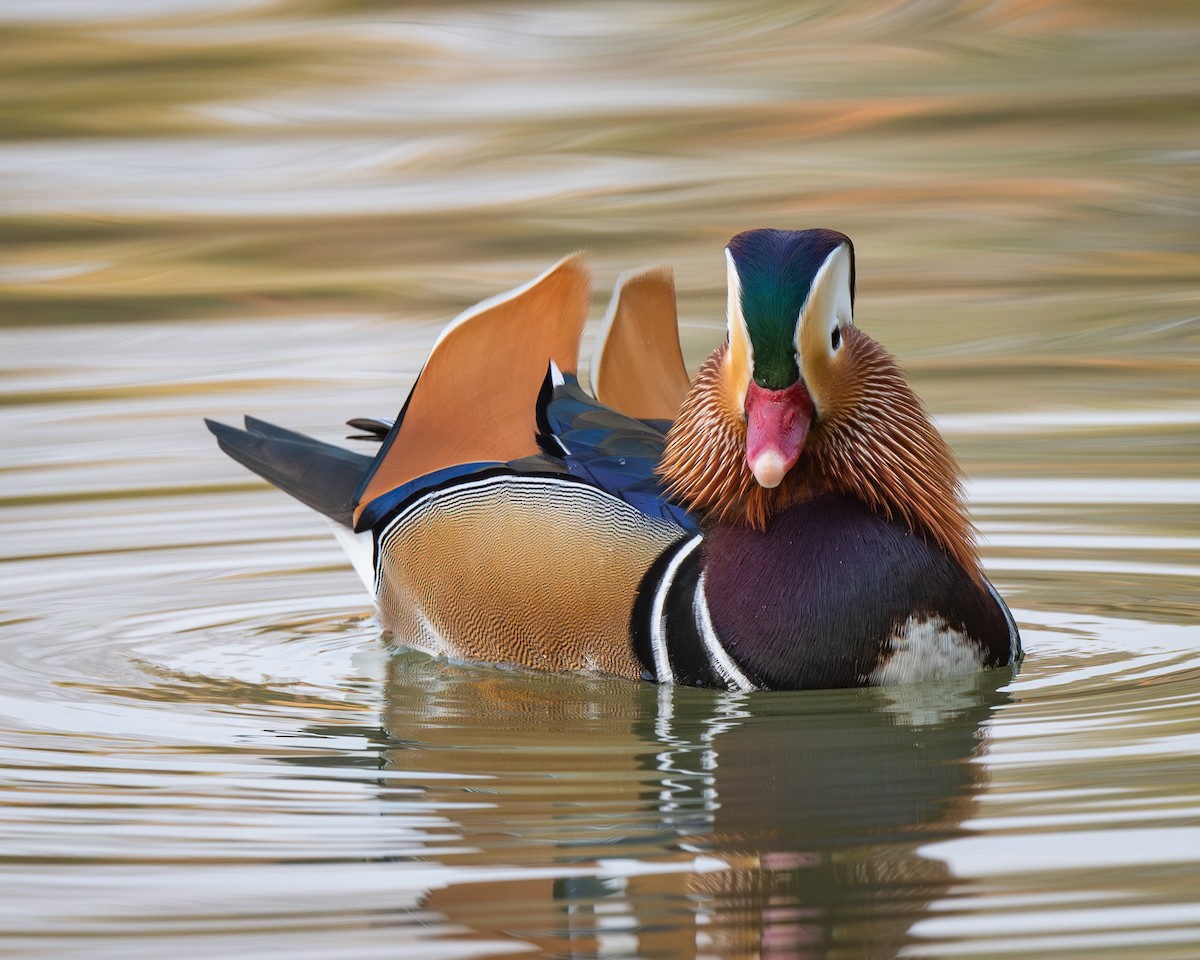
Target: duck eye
(835, 338)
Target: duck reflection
(643, 821)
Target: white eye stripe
(736, 318)
(827, 308)
(739, 333)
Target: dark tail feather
(373, 428)
(317, 474)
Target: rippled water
(211, 207)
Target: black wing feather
(317, 474)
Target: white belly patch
(926, 649)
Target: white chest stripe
(718, 657)
(658, 615)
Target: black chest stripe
(684, 645)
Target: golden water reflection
(685, 823)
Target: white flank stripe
(658, 618)
(729, 671)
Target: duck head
(799, 401)
(790, 295)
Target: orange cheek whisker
(871, 440)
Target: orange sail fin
(475, 400)
(639, 368)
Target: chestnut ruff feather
(874, 442)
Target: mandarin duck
(790, 519)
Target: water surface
(217, 207)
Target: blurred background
(218, 207)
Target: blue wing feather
(608, 449)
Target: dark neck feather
(875, 443)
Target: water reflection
(677, 822)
